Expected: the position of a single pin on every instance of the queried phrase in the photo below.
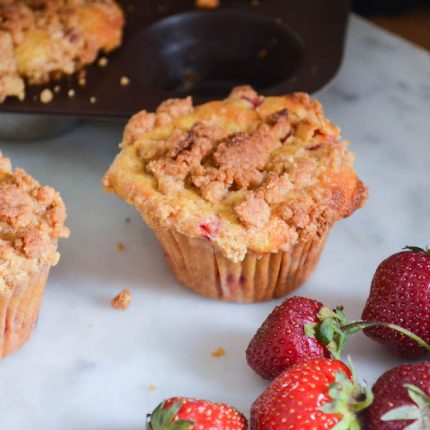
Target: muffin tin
(171, 49)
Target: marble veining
(90, 367)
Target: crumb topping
(31, 220)
(267, 171)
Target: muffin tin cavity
(205, 54)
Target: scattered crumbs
(152, 388)
(71, 93)
(262, 54)
(103, 62)
(124, 81)
(93, 100)
(82, 78)
(219, 352)
(120, 246)
(57, 89)
(207, 4)
(127, 220)
(46, 96)
(122, 300)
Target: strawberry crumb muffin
(31, 221)
(241, 193)
(45, 39)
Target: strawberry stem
(357, 326)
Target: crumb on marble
(122, 300)
(46, 96)
(120, 246)
(71, 93)
(219, 352)
(57, 89)
(127, 220)
(93, 100)
(152, 388)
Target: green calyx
(163, 418)
(419, 412)
(426, 250)
(329, 330)
(332, 330)
(349, 398)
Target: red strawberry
(402, 399)
(316, 394)
(281, 341)
(302, 329)
(400, 294)
(181, 413)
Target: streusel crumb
(122, 300)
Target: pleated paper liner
(19, 311)
(202, 268)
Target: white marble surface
(89, 367)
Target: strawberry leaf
(163, 418)
(328, 330)
(348, 399)
(420, 412)
(417, 249)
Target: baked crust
(31, 220)
(251, 174)
(52, 38)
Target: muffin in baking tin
(45, 39)
(242, 192)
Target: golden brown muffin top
(248, 173)
(31, 220)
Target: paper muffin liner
(202, 268)
(19, 311)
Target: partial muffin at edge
(31, 221)
(230, 184)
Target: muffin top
(31, 220)
(248, 173)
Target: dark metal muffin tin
(171, 49)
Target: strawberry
(400, 295)
(302, 329)
(182, 413)
(402, 399)
(281, 341)
(318, 394)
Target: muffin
(241, 193)
(51, 38)
(31, 220)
